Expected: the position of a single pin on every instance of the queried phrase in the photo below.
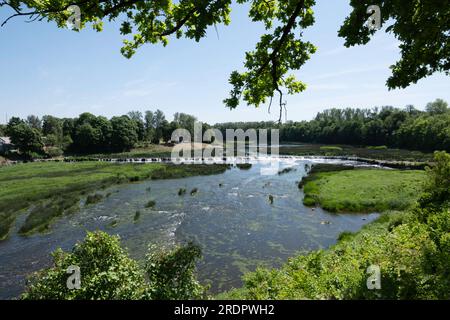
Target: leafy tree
(52, 125)
(137, 117)
(27, 139)
(34, 122)
(91, 133)
(167, 129)
(185, 121)
(437, 107)
(420, 26)
(149, 125)
(124, 133)
(159, 121)
(12, 123)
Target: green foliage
(244, 166)
(27, 139)
(377, 147)
(422, 52)
(105, 268)
(331, 148)
(171, 274)
(363, 190)
(150, 204)
(41, 215)
(94, 198)
(108, 273)
(382, 127)
(137, 215)
(124, 133)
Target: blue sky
(46, 70)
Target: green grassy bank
(361, 190)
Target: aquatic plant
(94, 198)
(150, 204)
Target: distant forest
(407, 128)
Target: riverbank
(45, 191)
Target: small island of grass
(362, 190)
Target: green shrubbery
(107, 272)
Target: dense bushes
(107, 272)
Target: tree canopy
(421, 26)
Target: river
(230, 217)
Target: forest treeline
(52, 136)
(407, 128)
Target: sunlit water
(230, 217)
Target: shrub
(94, 198)
(106, 272)
(171, 274)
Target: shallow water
(230, 217)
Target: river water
(230, 217)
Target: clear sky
(46, 70)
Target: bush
(54, 152)
(150, 204)
(107, 272)
(171, 274)
(94, 198)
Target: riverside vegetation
(411, 247)
(339, 188)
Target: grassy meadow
(362, 190)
